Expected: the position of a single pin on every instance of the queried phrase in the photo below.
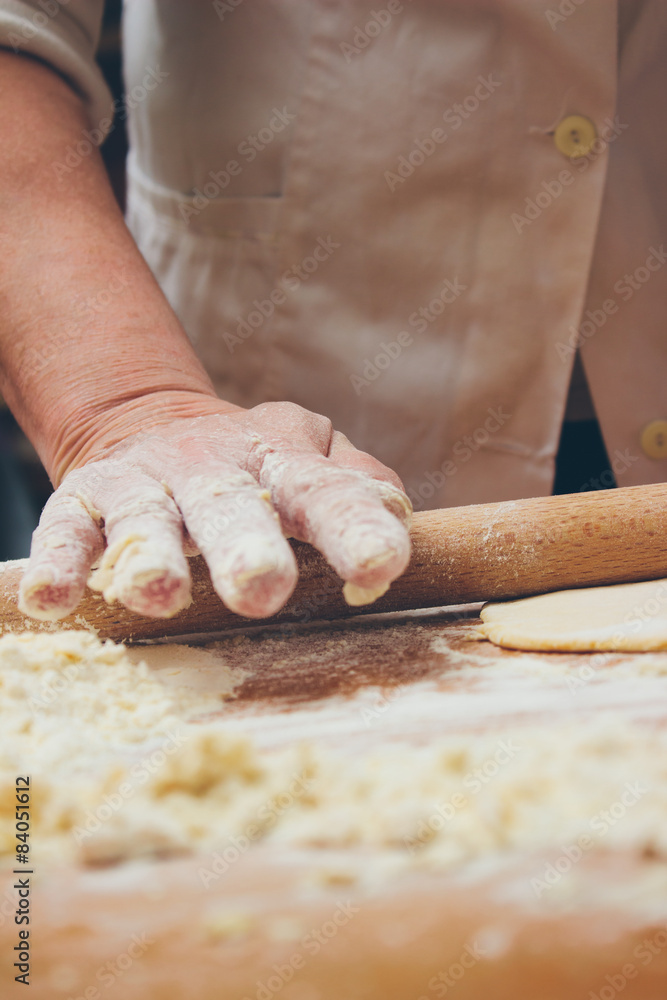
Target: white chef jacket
(371, 209)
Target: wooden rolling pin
(460, 555)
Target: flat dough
(628, 617)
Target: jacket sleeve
(64, 34)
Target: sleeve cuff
(64, 37)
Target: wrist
(88, 437)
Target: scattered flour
(120, 767)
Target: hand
(232, 481)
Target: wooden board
(405, 933)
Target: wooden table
(476, 931)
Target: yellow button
(574, 136)
(654, 439)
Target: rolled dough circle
(627, 617)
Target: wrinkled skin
(234, 484)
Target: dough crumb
(356, 596)
(125, 764)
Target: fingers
(351, 507)
(231, 520)
(340, 512)
(64, 546)
(381, 478)
(143, 566)
(343, 505)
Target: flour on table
(121, 767)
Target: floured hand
(234, 482)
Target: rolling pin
(461, 555)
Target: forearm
(85, 332)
